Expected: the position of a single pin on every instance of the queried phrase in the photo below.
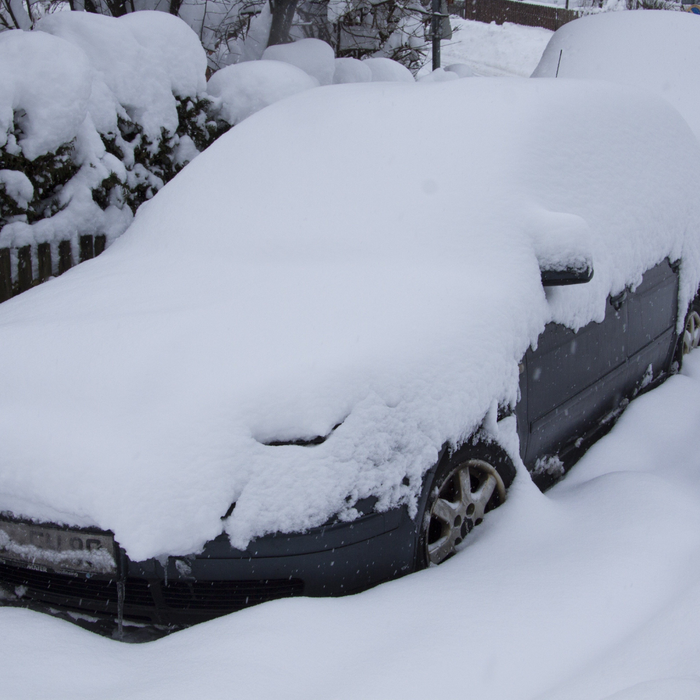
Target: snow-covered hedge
(96, 114)
(241, 89)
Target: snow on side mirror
(563, 247)
(568, 275)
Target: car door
(573, 379)
(652, 309)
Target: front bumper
(328, 561)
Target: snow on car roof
(361, 256)
(658, 51)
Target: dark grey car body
(573, 386)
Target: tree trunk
(282, 16)
(18, 15)
(117, 8)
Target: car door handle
(618, 300)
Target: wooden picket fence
(41, 258)
(500, 11)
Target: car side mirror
(567, 275)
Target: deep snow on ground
(590, 591)
(492, 49)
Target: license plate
(44, 546)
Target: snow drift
(313, 269)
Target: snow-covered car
(323, 352)
(657, 51)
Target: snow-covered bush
(350, 70)
(357, 28)
(313, 56)
(96, 114)
(233, 31)
(241, 89)
(240, 30)
(387, 70)
(245, 88)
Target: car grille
(143, 599)
(227, 595)
(44, 585)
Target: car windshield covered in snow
(320, 354)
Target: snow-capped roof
(655, 50)
(363, 255)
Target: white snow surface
(387, 70)
(492, 49)
(245, 88)
(439, 75)
(588, 592)
(351, 70)
(17, 186)
(655, 50)
(462, 70)
(172, 49)
(313, 56)
(290, 279)
(46, 82)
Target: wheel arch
(478, 447)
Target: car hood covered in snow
(361, 256)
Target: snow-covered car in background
(657, 51)
(321, 353)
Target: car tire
(465, 486)
(689, 339)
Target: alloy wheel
(691, 333)
(459, 506)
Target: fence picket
(41, 258)
(65, 257)
(5, 274)
(87, 248)
(100, 243)
(500, 11)
(24, 268)
(45, 264)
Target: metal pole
(436, 26)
